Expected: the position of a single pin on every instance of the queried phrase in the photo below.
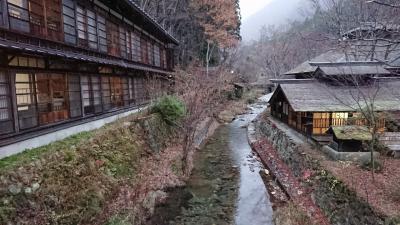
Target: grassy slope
(70, 181)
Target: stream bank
(225, 186)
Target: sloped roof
(78, 56)
(305, 67)
(316, 96)
(359, 51)
(358, 133)
(354, 69)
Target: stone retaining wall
(338, 203)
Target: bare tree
(203, 96)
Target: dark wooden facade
(63, 61)
(313, 123)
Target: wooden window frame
(102, 32)
(113, 47)
(92, 36)
(122, 41)
(19, 22)
(52, 103)
(69, 22)
(6, 105)
(93, 95)
(81, 26)
(31, 105)
(136, 47)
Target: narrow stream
(253, 205)
(225, 186)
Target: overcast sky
(249, 7)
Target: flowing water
(225, 186)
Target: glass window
(6, 119)
(321, 123)
(36, 12)
(19, 15)
(136, 49)
(53, 17)
(81, 26)
(143, 47)
(150, 53)
(102, 33)
(105, 88)
(112, 38)
(122, 42)
(91, 92)
(116, 92)
(157, 61)
(52, 98)
(128, 45)
(75, 104)
(26, 101)
(92, 30)
(69, 22)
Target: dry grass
(291, 215)
(382, 194)
(79, 177)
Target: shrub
(171, 109)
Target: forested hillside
(204, 27)
(281, 48)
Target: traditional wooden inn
(313, 97)
(69, 66)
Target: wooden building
(311, 103)
(66, 62)
(349, 138)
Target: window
(6, 120)
(150, 53)
(82, 26)
(131, 91)
(162, 63)
(18, 15)
(105, 89)
(26, 101)
(52, 98)
(36, 13)
(75, 104)
(24, 61)
(92, 30)
(122, 42)
(69, 22)
(125, 89)
(112, 39)
(2, 12)
(157, 61)
(53, 16)
(321, 123)
(164, 56)
(339, 119)
(116, 92)
(102, 33)
(140, 92)
(128, 45)
(136, 50)
(143, 46)
(90, 86)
